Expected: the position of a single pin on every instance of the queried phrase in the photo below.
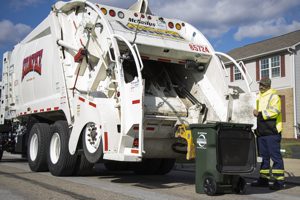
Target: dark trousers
(269, 148)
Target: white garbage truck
(96, 83)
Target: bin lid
(222, 124)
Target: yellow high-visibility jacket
(269, 120)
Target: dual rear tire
(37, 147)
(47, 149)
(60, 161)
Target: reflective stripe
(277, 171)
(279, 178)
(264, 171)
(268, 105)
(274, 110)
(264, 176)
(266, 114)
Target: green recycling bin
(224, 151)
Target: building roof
(266, 46)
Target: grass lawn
(290, 146)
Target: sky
(227, 24)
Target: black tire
(210, 186)
(37, 147)
(60, 162)
(83, 167)
(1, 154)
(96, 156)
(166, 166)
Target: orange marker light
(104, 11)
(178, 26)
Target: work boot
(261, 182)
(277, 186)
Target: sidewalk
(292, 170)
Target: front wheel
(210, 186)
(92, 143)
(83, 166)
(60, 161)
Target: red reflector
(81, 99)
(56, 108)
(105, 141)
(136, 128)
(41, 110)
(164, 60)
(171, 25)
(48, 109)
(136, 15)
(136, 101)
(136, 151)
(149, 17)
(80, 55)
(35, 111)
(112, 13)
(150, 129)
(145, 57)
(142, 16)
(92, 104)
(136, 142)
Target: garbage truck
(95, 83)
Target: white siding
(297, 87)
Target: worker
(269, 128)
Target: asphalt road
(17, 182)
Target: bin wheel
(210, 186)
(240, 187)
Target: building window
(270, 67)
(237, 74)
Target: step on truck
(96, 83)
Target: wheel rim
(209, 186)
(34, 147)
(55, 147)
(92, 138)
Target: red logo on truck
(32, 63)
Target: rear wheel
(60, 161)
(92, 143)
(37, 147)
